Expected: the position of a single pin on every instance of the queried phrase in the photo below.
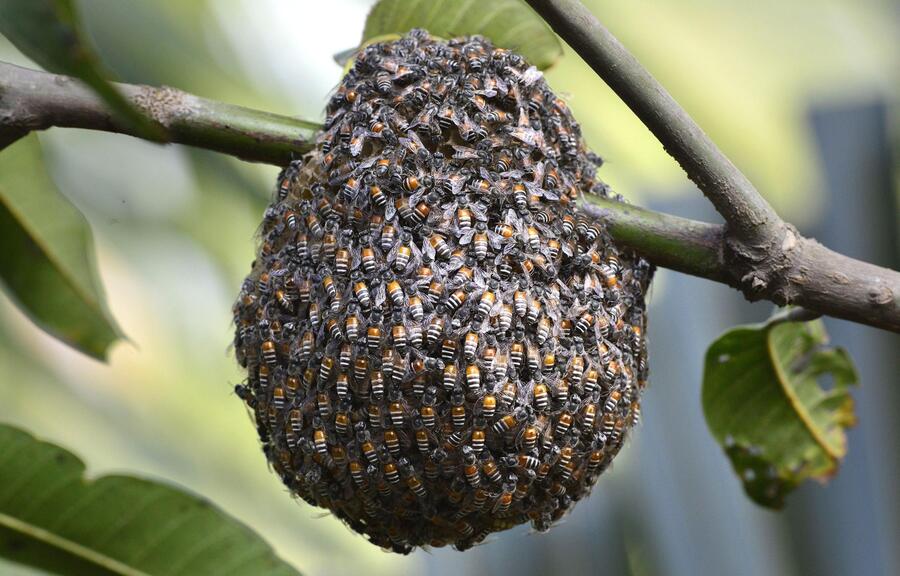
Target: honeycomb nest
(438, 344)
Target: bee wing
(522, 120)
(550, 195)
(456, 184)
(416, 196)
(461, 119)
(449, 210)
(516, 93)
(379, 295)
(531, 75)
(427, 248)
(389, 210)
(357, 141)
(464, 153)
(526, 135)
(479, 210)
(495, 240)
(467, 237)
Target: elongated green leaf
(47, 256)
(49, 32)
(53, 518)
(764, 403)
(507, 23)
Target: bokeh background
(802, 95)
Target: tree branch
(32, 100)
(803, 273)
(750, 218)
(761, 255)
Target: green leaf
(507, 23)
(47, 257)
(55, 519)
(764, 403)
(49, 32)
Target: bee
(351, 327)
(505, 424)
(361, 292)
(391, 472)
(528, 437)
(541, 397)
(470, 467)
(635, 412)
(470, 346)
(427, 410)
(437, 245)
(489, 406)
(388, 237)
(503, 502)
(491, 470)
(392, 441)
(496, 116)
(458, 410)
(435, 330)
(423, 438)
(595, 460)
(612, 401)
(477, 438)
(373, 412)
(377, 385)
(342, 385)
(383, 83)
(397, 413)
(533, 311)
(414, 308)
(320, 438)
(456, 299)
(268, 352)
(508, 393)
(450, 376)
(424, 274)
(373, 339)
(473, 378)
(398, 334)
(505, 317)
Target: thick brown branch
(804, 272)
(749, 217)
(32, 100)
(800, 272)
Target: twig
(803, 273)
(32, 100)
(762, 256)
(750, 218)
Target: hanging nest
(438, 344)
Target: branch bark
(750, 218)
(32, 100)
(762, 255)
(802, 272)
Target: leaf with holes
(764, 403)
(507, 23)
(54, 519)
(47, 258)
(49, 32)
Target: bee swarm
(438, 345)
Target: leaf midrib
(55, 540)
(794, 401)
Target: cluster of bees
(438, 345)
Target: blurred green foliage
(175, 228)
